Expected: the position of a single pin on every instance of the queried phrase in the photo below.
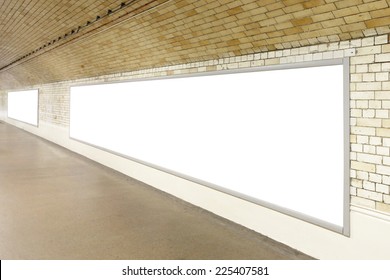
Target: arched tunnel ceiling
(105, 37)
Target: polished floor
(55, 204)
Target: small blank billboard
(23, 106)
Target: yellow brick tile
(357, 18)
(347, 3)
(274, 6)
(293, 30)
(292, 2)
(332, 23)
(293, 8)
(369, 122)
(313, 3)
(275, 13)
(353, 10)
(374, 5)
(324, 8)
(383, 132)
(235, 10)
(377, 22)
(323, 17)
(352, 27)
(368, 167)
(383, 207)
(386, 48)
(380, 13)
(302, 21)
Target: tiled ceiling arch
(105, 37)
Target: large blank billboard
(23, 106)
(274, 135)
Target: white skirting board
(369, 229)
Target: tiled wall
(369, 103)
(54, 104)
(370, 142)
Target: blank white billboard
(276, 137)
(23, 106)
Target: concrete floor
(55, 204)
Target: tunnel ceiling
(45, 41)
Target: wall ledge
(371, 212)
